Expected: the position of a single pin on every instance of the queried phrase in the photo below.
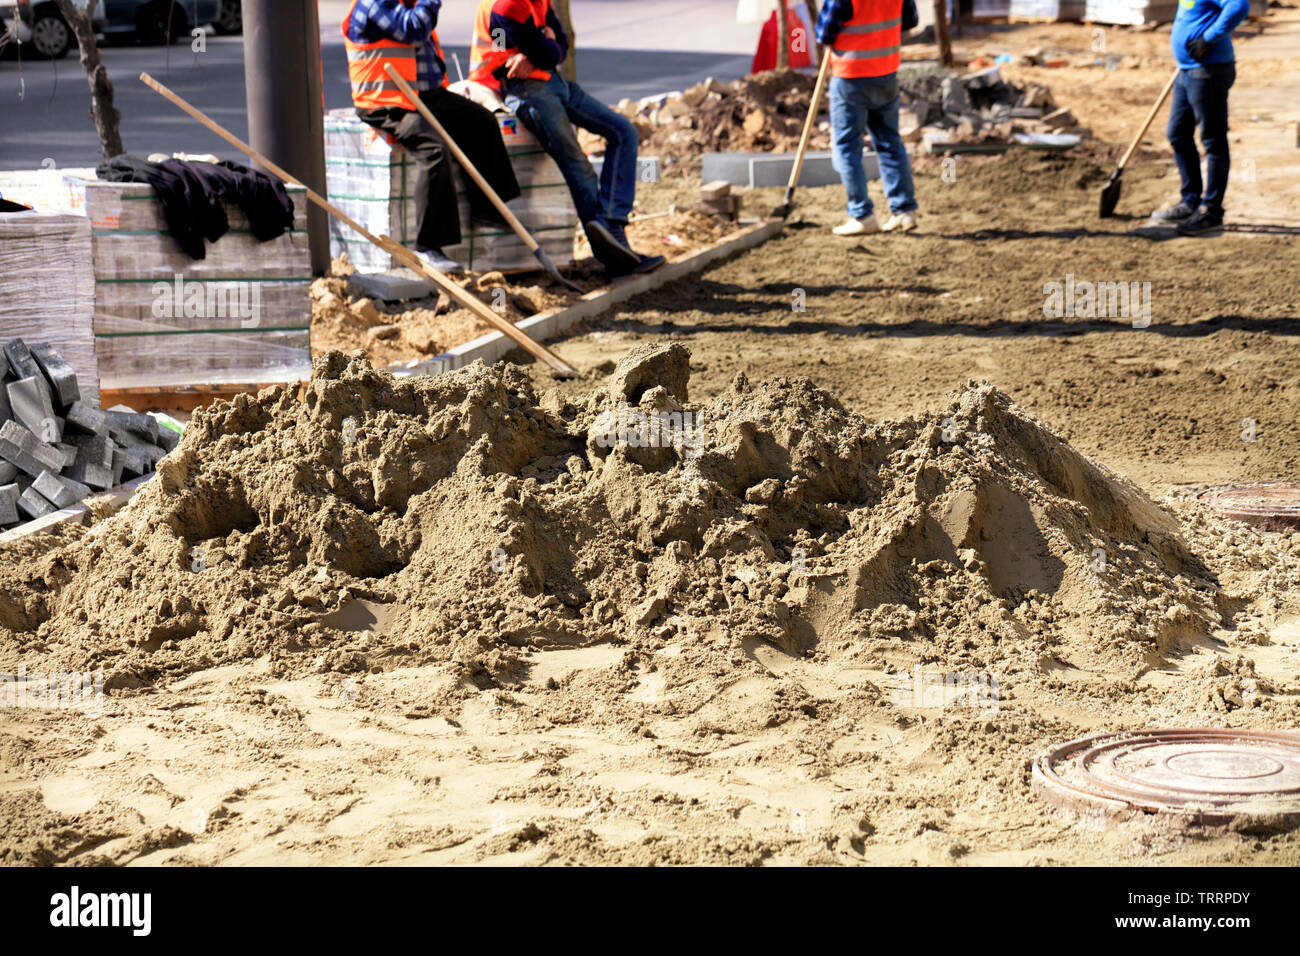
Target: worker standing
(1201, 40)
(518, 48)
(862, 38)
(402, 33)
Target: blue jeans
(870, 103)
(549, 109)
(1200, 98)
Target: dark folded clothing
(192, 194)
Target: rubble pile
(764, 112)
(943, 108)
(57, 448)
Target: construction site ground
(248, 763)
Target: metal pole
(286, 115)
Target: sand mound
(461, 519)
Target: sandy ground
(243, 764)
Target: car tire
(151, 23)
(230, 18)
(51, 36)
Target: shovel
(1110, 194)
(787, 204)
(475, 175)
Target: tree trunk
(102, 110)
(569, 68)
(782, 37)
(941, 32)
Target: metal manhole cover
(1204, 773)
(1271, 505)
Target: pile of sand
(461, 518)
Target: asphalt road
(45, 107)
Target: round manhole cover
(1271, 505)
(1207, 774)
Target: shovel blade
(549, 266)
(1110, 194)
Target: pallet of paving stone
(57, 446)
(241, 314)
(47, 287)
(373, 181)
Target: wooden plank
(493, 346)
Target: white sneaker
(857, 227)
(900, 222)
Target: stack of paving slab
(57, 446)
(373, 181)
(1137, 12)
(47, 289)
(241, 315)
(1046, 9)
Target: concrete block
(32, 504)
(85, 419)
(715, 190)
(773, 169)
(20, 359)
(92, 449)
(389, 288)
(59, 492)
(60, 375)
(9, 504)
(6, 412)
(167, 439)
(119, 465)
(125, 421)
(98, 477)
(22, 449)
(69, 453)
(7, 472)
(32, 408)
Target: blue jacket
(1211, 20)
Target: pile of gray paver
(56, 449)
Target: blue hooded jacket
(1211, 20)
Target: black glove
(1197, 49)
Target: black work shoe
(612, 254)
(1204, 222)
(1174, 213)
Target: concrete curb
(546, 325)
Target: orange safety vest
(486, 56)
(868, 44)
(371, 87)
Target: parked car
(231, 18)
(150, 20)
(39, 24)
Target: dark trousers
(475, 131)
(1200, 98)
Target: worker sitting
(518, 47)
(401, 33)
(862, 39)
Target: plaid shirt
(375, 20)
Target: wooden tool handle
(395, 249)
(808, 122)
(461, 158)
(1164, 95)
